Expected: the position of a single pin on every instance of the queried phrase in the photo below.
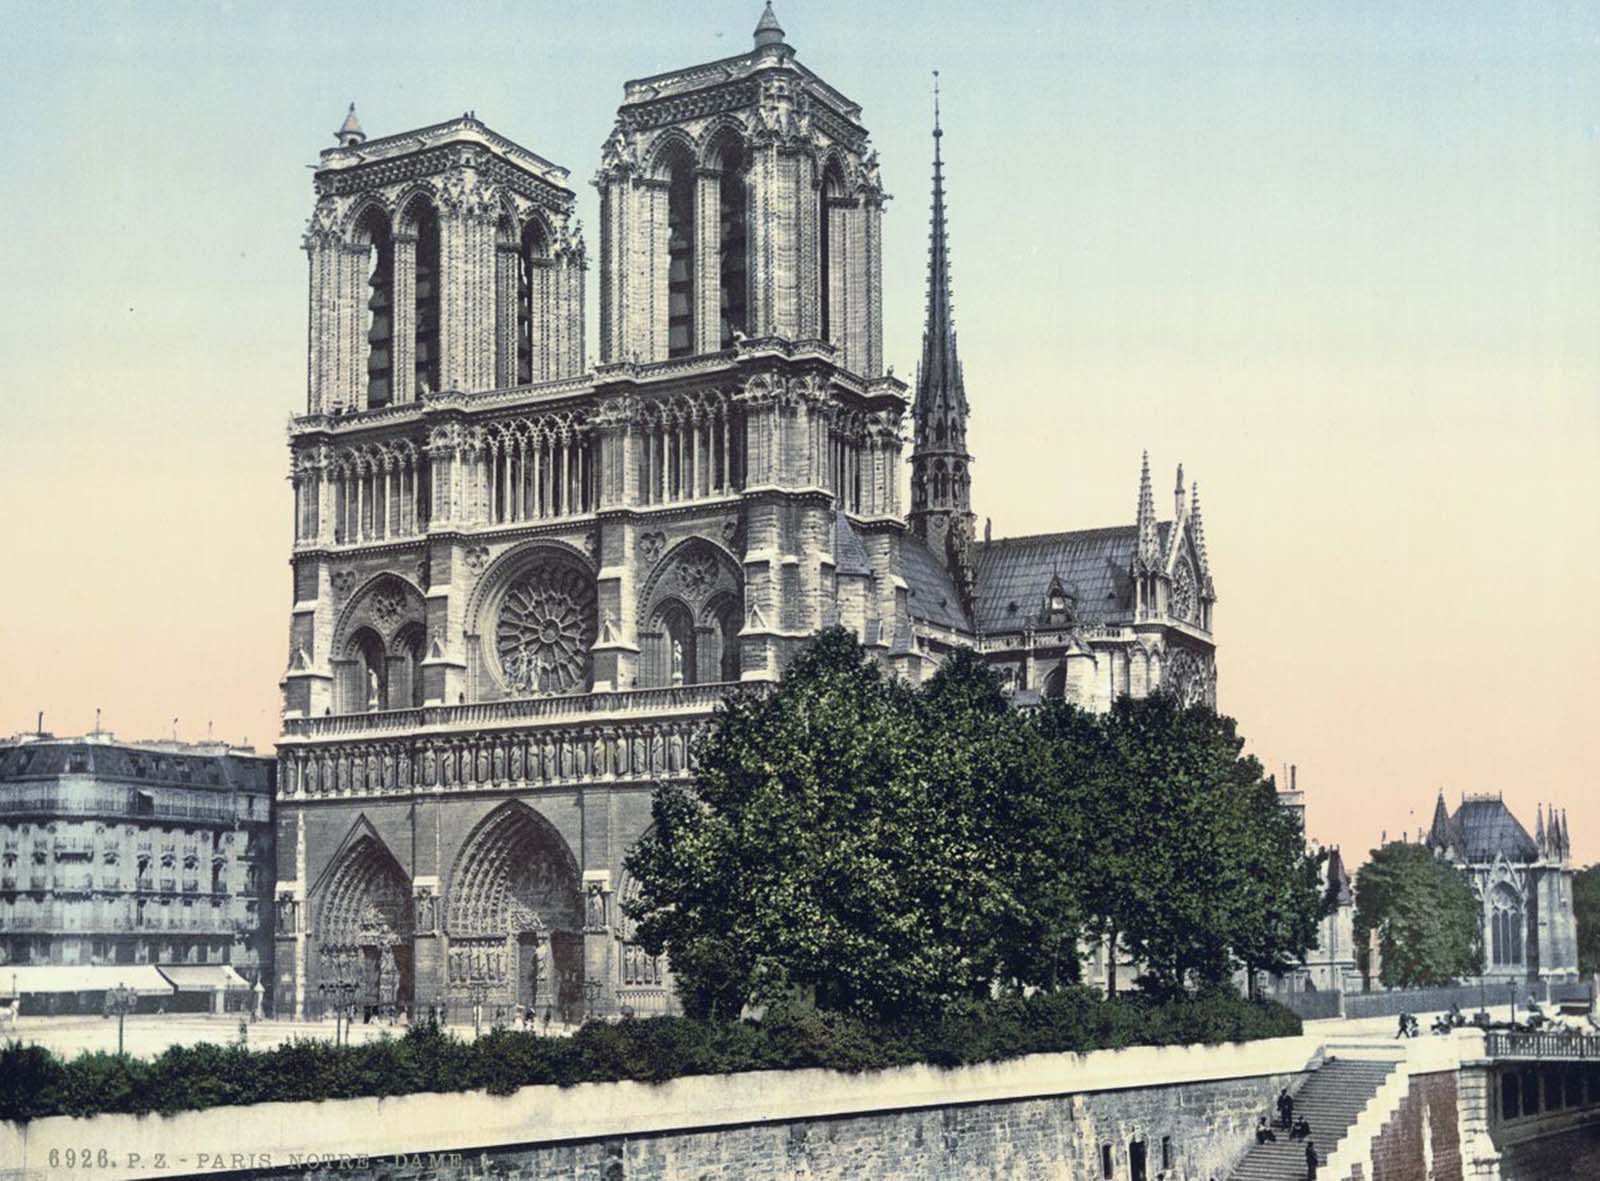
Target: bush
(792, 1035)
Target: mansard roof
(1483, 828)
(212, 766)
(1015, 574)
(933, 597)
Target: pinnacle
(768, 30)
(350, 130)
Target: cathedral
(522, 582)
(1522, 883)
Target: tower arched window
(373, 232)
(732, 277)
(426, 305)
(680, 256)
(532, 252)
(830, 197)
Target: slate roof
(849, 554)
(105, 761)
(933, 594)
(1014, 575)
(1484, 828)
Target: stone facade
(135, 853)
(521, 585)
(1524, 884)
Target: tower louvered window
(680, 259)
(732, 279)
(427, 303)
(380, 314)
(530, 254)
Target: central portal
(515, 937)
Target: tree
(1428, 921)
(1212, 873)
(1586, 909)
(831, 844)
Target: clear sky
(1342, 261)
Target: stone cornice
(466, 130)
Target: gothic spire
(1149, 555)
(939, 384)
(941, 489)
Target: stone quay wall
(1187, 1111)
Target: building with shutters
(122, 854)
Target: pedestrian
(1285, 1109)
(1311, 1161)
(1301, 1130)
(1264, 1132)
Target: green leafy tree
(1429, 924)
(1586, 908)
(830, 844)
(1214, 873)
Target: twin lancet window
(732, 267)
(422, 235)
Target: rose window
(546, 627)
(1184, 592)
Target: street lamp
(120, 1001)
(477, 993)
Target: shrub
(791, 1035)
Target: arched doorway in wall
(362, 931)
(515, 920)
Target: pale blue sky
(1343, 261)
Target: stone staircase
(1330, 1100)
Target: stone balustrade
(592, 737)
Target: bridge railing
(1505, 1043)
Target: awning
(40, 978)
(202, 977)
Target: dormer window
(1060, 605)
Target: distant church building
(521, 584)
(1524, 884)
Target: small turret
(350, 133)
(768, 30)
(1177, 497)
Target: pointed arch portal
(515, 918)
(364, 928)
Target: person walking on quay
(1311, 1160)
